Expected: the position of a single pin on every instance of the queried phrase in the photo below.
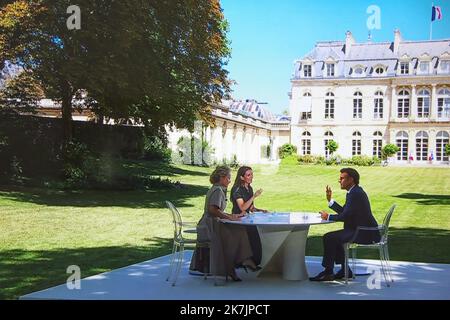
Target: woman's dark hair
(241, 172)
(352, 173)
(221, 171)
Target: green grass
(44, 231)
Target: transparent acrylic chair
(180, 242)
(382, 246)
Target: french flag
(436, 13)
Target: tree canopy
(157, 62)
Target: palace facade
(365, 95)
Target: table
(283, 240)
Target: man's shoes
(323, 276)
(341, 274)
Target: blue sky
(268, 35)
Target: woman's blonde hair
(221, 171)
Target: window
(358, 71)
(328, 138)
(442, 139)
(357, 105)
(402, 143)
(356, 144)
(379, 71)
(403, 104)
(330, 69)
(423, 104)
(445, 66)
(306, 143)
(422, 146)
(404, 67)
(424, 66)
(444, 104)
(306, 115)
(377, 144)
(307, 71)
(378, 105)
(329, 106)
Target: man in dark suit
(355, 213)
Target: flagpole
(431, 22)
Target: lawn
(43, 231)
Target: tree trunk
(67, 116)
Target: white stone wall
(343, 125)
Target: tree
(286, 150)
(22, 92)
(155, 62)
(389, 150)
(332, 146)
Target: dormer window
(307, 71)
(359, 71)
(379, 71)
(404, 67)
(445, 66)
(424, 67)
(330, 69)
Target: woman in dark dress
(242, 197)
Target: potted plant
(388, 151)
(332, 146)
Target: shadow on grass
(26, 271)
(161, 169)
(426, 199)
(405, 244)
(94, 198)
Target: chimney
(349, 41)
(397, 40)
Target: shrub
(287, 149)
(362, 161)
(306, 159)
(155, 149)
(447, 150)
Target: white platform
(146, 281)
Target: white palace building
(365, 95)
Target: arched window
(379, 71)
(356, 144)
(357, 105)
(328, 138)
(307, 94)
(306, 143)
(442, 139)
(377, 144)
(402, 142)
(329, 105)
(423, 104)
(378, 105)
(422, 146)
(444, 104)
(403, 104)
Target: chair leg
(388, 262)
(346, 248)
(383, 269)
(354, 262)
(179, 263)
(171, 262)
